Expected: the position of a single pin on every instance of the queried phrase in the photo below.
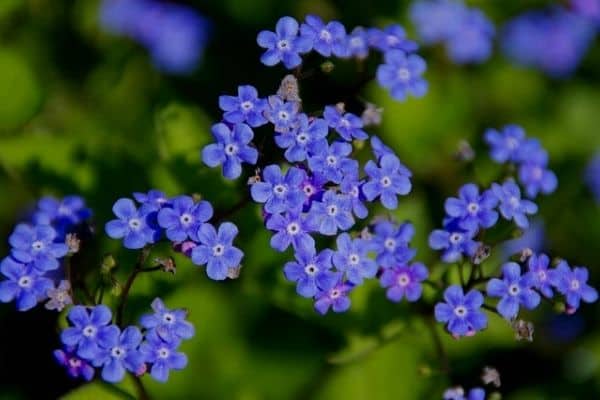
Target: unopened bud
(288, 89)
(464, 152)
(116, 289)
(108, 263)
(490, 375)
(523, 330)
(234, 272)
(73, 243)
(327, 67)
(196, 197)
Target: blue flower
(333, 212)
(347, 125)
(391, 243)
(154, 200)
(300, 141)
(506, 144)
(572, 283)
(311, 271)
(182, 220)
(232, 148)
(87, 326)
(23, 284)
(461, 313)
(511, 206)
(162, 355)
(352, 259)
(313, 189)
(358, 43)
(63, 214)
(402, 74)
(35, 245)
(379, 148)
(76, 367)
(387, 181)
(246, 107)
(292, 228)
(537, 178)
(472, 41)
(350, 186)
(284, 44)
(472, 209)
(119, 352)
(454, 241)
(279, 192)
(282, 114)
(459, 394)
(513, 290)
(391, 37)
(332, 161)
(335, 298)
(438, 20)
(538, 268)
(589, 9)
(168, 324)
(326, 39)
(216, 250)
(132, 225)
(404, 281)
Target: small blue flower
(379, 148)
(506, 144)
(132, 225)
(402, 74)
(182, 220)
(119, 353)
(313, 188)
(458, 393)
(232, 148)
(333, 212)
(332, 161)
(358, 43)
(472, 209)
(282, 114)
(537, 178)
(514, 290)
(388, 181)
(350, 186)
(391, 243)
(472, 41)
(572, 283)
(23, 284)
(538, 268)
(461, 313)
(292, 228)
(335, 298)
(404, 281)
(87, 326)
(300, 141)
(311, 271)
(154, 200)
(348, 125)
(168, 324)
(327, 38)
(391, 37)
(511, 206)
(454, 241)
(284, 44)
(76, 367)
(437, 20)
(162, 355)
(216, 250)
(353, 260)
(63, 214)
(246, 107)
(279, 192)
(35, 245)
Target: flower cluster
(182, 221)
(175, 35)
(33, 271)
(91, 341)
(466, 32)
(402, 69)
(524, 40)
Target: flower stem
(125, 294)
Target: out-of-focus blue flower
(162, 355)
(461, 312)
(333, 212)
(168, 324)
(589, 9)
(472, 209)
(332, 161)
(458, 393)
(284, 45)
(154, 200)
(277, 191)
(175, 35)
(182, 220)
(76, 366)
(402, 74)
(525, 40)
(536, 178)
(592, 177)
(131, 225)
(62, 214)
(231, 149)
(299, 142)
(514, 290)
(511, 205)
(335, 298)
(352, 258)
(326, 39)
(572, 283)
(87, 326)
(348, 125)
(119, 353)
(532, 238)
(389, 38)
(538, 268)
(23, 284)
(391, 243)
(358, 43)
(454, 240)
(404, 281)
(59, 297)
(311, 271)
(292, 228)
(388, 181)
(436, 20)
(245, 107)
(506, 144)
(216, 250)
(379, 148)
(282, 114)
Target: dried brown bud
(234, 272)
(255, 178)
(366, 234)
(73, 243)
(525, 254)
(371, 115)
(340, 107)
(523, 330)
(482, 253)
(490, 375)
(167, 264)
(464, 152)
(289, 89)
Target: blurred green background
(84, 112)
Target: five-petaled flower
(461, 312)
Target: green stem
(129, 283)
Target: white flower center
(163, 352)
(283, 115)
(335, 293)
(37, 245)
(308, 190)
(513, 201)
(74, 362)
(332, 210)
(89, 331)
(331, 160)
(455, 238)
(168, 318)
(186, 219)
(403, 279)
(356, 42)
(390, 244)
(353, 259)
(403, 74)
(325, 35)
(302, 138)
(354, 191)
(218, 250)
(473, 208)
(385, 181)
(117, 352)
(231, 149)
(135, 223)
(575, 284)
(512, 143)
(460, 311)
(25, 281)
(247, 105)
(311, 269)
(514, 289)
(542, 275)
(283, 45)
(537, 173)
(279, 189)
(293, 228)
